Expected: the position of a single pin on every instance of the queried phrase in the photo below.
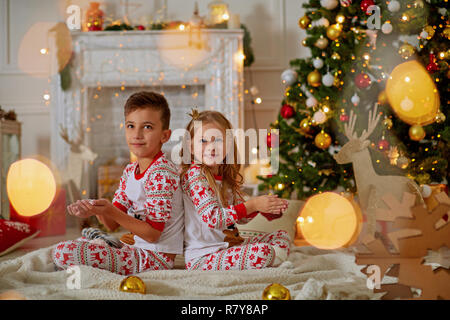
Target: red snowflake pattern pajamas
(153, 196)
(205, 220)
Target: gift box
(50, 222)
(108, 178)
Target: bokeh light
(31, 187)
(329, 221)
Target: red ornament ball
(383, 144)
(365, 4)
(362, 80)
(287, 111)
(140, 27)
(343, 117)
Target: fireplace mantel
(212, 59)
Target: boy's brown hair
(152, 100)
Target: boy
(148, 202)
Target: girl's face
(209, 144)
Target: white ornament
(386, 28)
(355, 99)
(289, 76)
(394, 6)
(322, 22)
(328, 80)
(319, 117)
(426, 191)
(318, 63)
(311, 102)
(329, 4)
(345, 3)
(424, 34)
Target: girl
(213, 203)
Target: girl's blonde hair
(230, 190)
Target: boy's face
(144, 132)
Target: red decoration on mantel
(50, 222)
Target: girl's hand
(268, 204)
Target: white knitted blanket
(309, 273)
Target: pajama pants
(124, 261)
(254, 253)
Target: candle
(234, 22)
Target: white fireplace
(192, 69)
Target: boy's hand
(86, 208)
(80, 209)
(269, 204)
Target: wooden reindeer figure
(78, 154)
(371, 186)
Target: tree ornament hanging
(383, 144)
(319, 117)
(321, 43)
(334, 31)
(287, 111)
(345, 3)
(311, 102)
(406, 50)
(322, 140)
(314, 78)
(329, 4)
(432, 66)
(304, 22)
(365, 4)
(355, 99)
(318, 63)
(386, 28)
(289, 76)
(328, 79)
(362, 80)
(416, 132)
(394, 6)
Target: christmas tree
(392, 54)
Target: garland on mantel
(65, 76)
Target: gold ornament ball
(440, 117)
(382, 98)
(430, 31)
(446, 32)
(304, 43)
(406, 51)
(132, 284)
(334, 31)
(387, 123)
(304, 22)
(322, 140)
(403, 162)
(416, 132)
(314, 78)
(321, 43)
(305, 125)
(335, 56)
(423, 178)
(276, 291)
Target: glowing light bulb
(258, 100)
(44, 51)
